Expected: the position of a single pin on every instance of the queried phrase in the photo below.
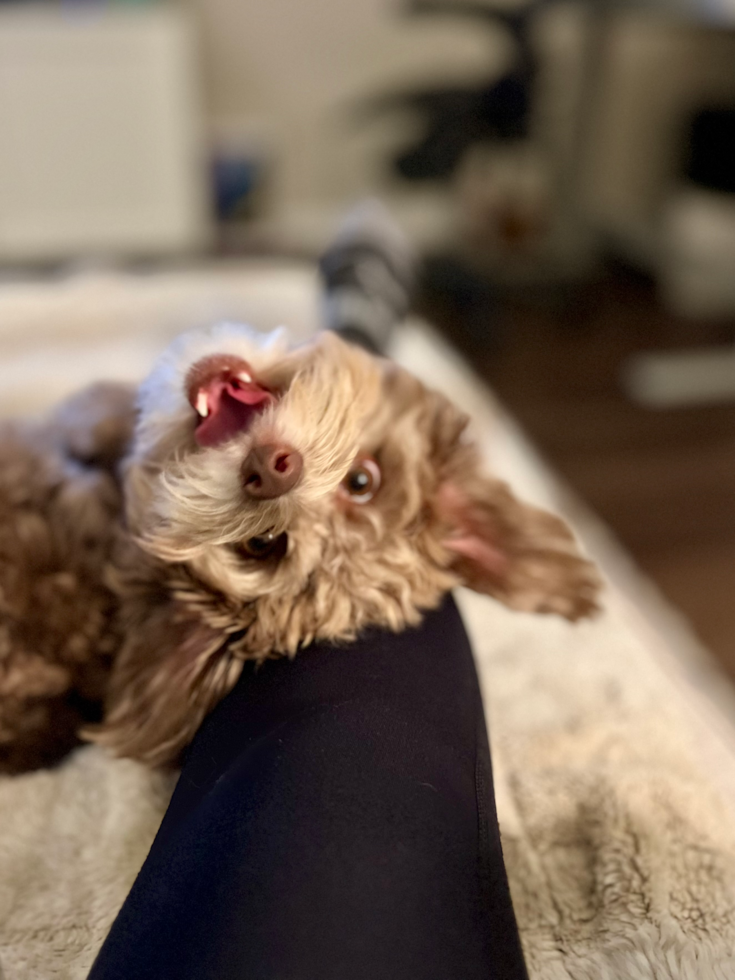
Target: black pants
(334, 820)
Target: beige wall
(285, 73)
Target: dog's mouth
(226, 396)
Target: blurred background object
(566, 168)
(100, 118)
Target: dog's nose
(270, 471)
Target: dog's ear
(168, 675)
(521, 555)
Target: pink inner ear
(490, 559)
(471, 537)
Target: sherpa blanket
(612, 740)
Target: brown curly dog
(60, 503)
(272, 496)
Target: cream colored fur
(194, 606)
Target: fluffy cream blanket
(612, 742)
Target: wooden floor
(663, 480)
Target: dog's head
(330, 488)
(287, 494)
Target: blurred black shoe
(369, 274)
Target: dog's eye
(363, 480)
(267, 545)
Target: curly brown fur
(59, 508)
(196, 601)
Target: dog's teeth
(202, 405)
(244, 376)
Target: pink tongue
(232, 409)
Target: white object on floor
(676, 378)
(697, 269)
(697, 279)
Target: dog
(60, 504)
(275, 496)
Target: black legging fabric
(334, 820)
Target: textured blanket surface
(620, 855)
(613, 747)
(71, 842)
